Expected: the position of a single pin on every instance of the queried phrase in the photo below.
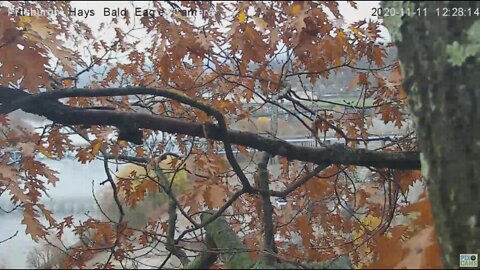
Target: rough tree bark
(440, 58)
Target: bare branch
(299, 182)
(10, 237)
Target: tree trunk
(221, 237)
(440, 58)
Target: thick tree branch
(224, 238)
(205, 259)
(106, 92)
(267, 211)
(62, 114)
(235, 255)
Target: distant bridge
(15, 154)
(311, 142)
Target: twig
(172, 219)
(10, 237)
(284, 193)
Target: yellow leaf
(37, 28)
(263, 120)
(96, 148)
(67, 83)
(24, 20)
(357, 33)
(172, 169)
(296, 9)
(44, 151)
(371, 222)
(242, 17)
(136, 174)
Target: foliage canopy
(225, 88)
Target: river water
(72, 196)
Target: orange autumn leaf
(406, 178)
(422, 211)
(214, 196)
(238, 62)
(33, 226)
(421, 251)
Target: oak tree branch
(66, 115)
